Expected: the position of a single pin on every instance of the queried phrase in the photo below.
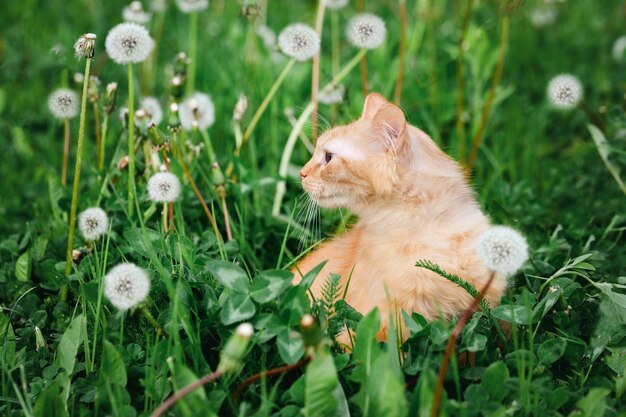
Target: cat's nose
(302, 175)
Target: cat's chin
(331, 201)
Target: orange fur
(413, 203)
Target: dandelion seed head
(565, 91)
(366, 31)
(336, 4)
(163, 187)
(152, 108)
(128, 43)
(502, 249)
(267, 35)
(190, 6)
(332, 94)
(126, 285)
(199, 108)
(619, 49)
(63, 103)
(84, 45)
(93, 223)
(135, 13)
(542, 16)
(299, 41)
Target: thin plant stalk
(315, 78)
(397, 96)
(167, 404)
(454, 337)
(208, 145)
(193, 51)
(79, 159)
(131, 143)
(360, 8)
(334, 34)
(460, 129)
(66, 150)
(229, 234)
(96, 120)
(165, 217)
(103, 135)
(148, 315)
(281, 187)
(504, 37)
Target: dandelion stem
(460, 129)
(209, 146)
(79, 158)
(96, 120)
(397, 96)
(183, 392)
(334, 31)
(131, 143)
(229, 234)
(66, 150)
(454, 337)
(504, 37)
(105, 126)
(148, 315)
(315, 78)
(193, 51)
(165, 217)
(364, 87)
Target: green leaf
(268, 285)
(238, 307)
(546, 304)
(112, 368)
(320, 383)
(511, 313)
(68, 346)
(615, 297)
(551, 350)
(49, 403)
(386, 390)
(309, 277)
(290, 346)
(422, 398)
(22, 267)
(229, 275)
(293, 305)
(605, 151)
(195, 403)
(493, 379)
(593, 404)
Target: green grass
(537, 170)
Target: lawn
(200, 193)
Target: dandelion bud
(155, 134)
(79, 77)
(367, 31)
(565, 91)
(84, 46)
(93, 88)
(173, 122)
(63, 103)
(108, 105)
(126, 285)
(135, 13)
(240, 108)
(190, 6)
(502, 250)
(178, 90)
(163, 187)
(181, 63)
(299, 41)
(331, 94)
(123, 162)
(77, 255)
(129, 43)
(312, 333)
(217, 177)
(93, 223)
(235, 349)
(39, 340)
(336, 4)
(198, 108)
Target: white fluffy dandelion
(128, 43)
(542, 16)
(299, 41)
(84, 45)
(135, 13)
(336, 4)
(190, 6)
(63, 103)
(366, 31)
(198, 108)
(565, 91)
(163, 187)
(619, 49)
(267, 35)
(93, 223)
(331, 94)
(126, 285)
(152, 109)
(502, 250)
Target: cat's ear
(391, 121)
(373, 103)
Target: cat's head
(356, 163)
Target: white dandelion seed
(190, 6)
(332, 94)
(267, 35)
(128, 43)
(135, 13)
(565, 91)
(152, 108)
(84, 45)
(619, 49)
(63, 103)
(366, 31)
(198, 108)
(299, 41)
(502, 250)
(163, 187)
(336, 4)
(126, 285)
(93, 223)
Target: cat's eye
(328, 157)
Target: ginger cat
(413, 203)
